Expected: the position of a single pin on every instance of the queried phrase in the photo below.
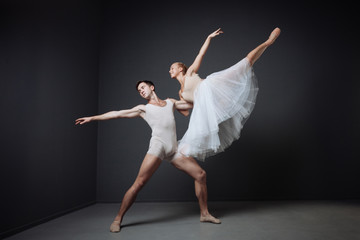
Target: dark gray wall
(59, 58)
(48, 77)
(299, 143)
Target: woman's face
(174, 70)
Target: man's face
(145, 90)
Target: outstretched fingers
(81, 121)
(216, 33)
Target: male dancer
(163, 145)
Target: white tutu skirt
(222, 103)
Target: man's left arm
(182, 106)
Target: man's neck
(154, 99)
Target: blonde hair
(183, 66)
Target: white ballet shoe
(273, 36)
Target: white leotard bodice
(162, 123)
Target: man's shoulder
(140, 107)
(171, 99)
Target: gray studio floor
(288, 220)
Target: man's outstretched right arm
(137, 111)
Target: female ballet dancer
(222, 101)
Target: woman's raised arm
(197, 62)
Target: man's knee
(201, 177)
(138, 185)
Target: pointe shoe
(209, 219)
(273, 36)
(115, 226)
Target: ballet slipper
(115, 226)
(210, 219)
(273, 36)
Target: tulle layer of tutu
(222, 104)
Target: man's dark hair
(150, 83)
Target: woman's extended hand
(217, 32)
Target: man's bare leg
(149, 165)
(257, 52)
(191, 167)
